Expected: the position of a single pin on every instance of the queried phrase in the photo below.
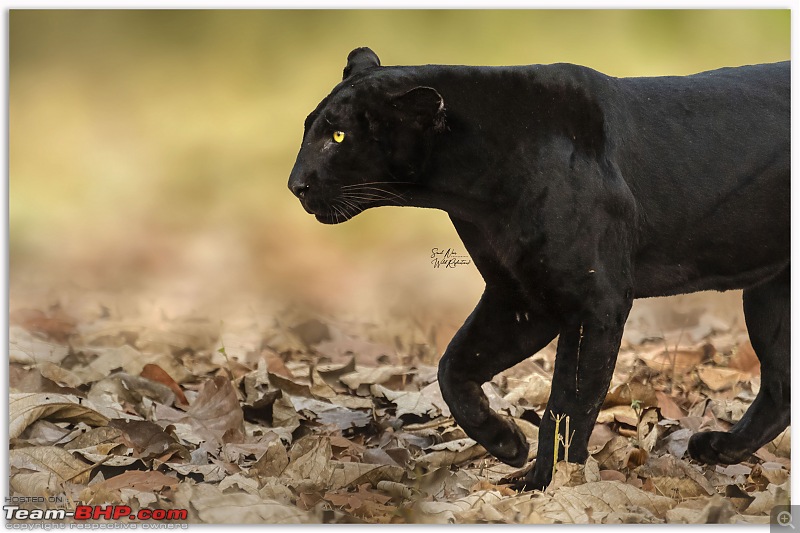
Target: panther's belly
(652, 279)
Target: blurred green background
(151, 149)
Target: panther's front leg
(503, 330)
(587, 352)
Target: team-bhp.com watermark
(94, 517)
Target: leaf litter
(291, 417)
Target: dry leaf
(273, 462)
(669, 409)
(30, 379)
(648, 429)
(636, 457)
(454, 452)
(297, 387)
(569, 505)
(284, 415)
(309, 466)
(311, 331)
(332, 371)
(27, 349)
(104, 361)
(718, 379)
(397, 490)
(745, 360)
(372, 376)
(156, 373)
(58, 374)
(148, 440)
(348, 349)
(680, 362)
(534, 390)
(625, 393)
(675, 478)
(618, 413)
(614, 454)
(209, 473)
(718, 511)
(212, 506)
(51, 460)
(58, 326)
(106, 435)
(728, 410)
(599, 437)
(492, 506)
(216, 413)
(46, 433)
(572, 474)
(767, 473)
(354, 474)
(151, 481)
(612, 475)
(42, 484)
(26, 408)
(123, 388)
(712, 510)
(196, 334)
(677, 442)
(420, 403)
(238, 482)
(443, 512)
(105, 333)
(781, 446)
(766, 500)
(330, 414)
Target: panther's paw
(508, 444)
(535, 479)
(718, 447)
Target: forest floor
(284, 416)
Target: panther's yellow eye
(338, 136)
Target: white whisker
(371, 198)
(372, 190)
(348, 204)
(365, 196)
(338, 212)
(377, 183)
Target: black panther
(574, 192)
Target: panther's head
(367, 143)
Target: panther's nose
(299, 189)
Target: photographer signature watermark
(448, 258)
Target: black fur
(574, 193)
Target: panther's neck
(481, 163)
(452, 202)
(459, 179)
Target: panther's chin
(337, 214)
(332, 218)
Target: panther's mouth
(330, 213)
(337, 213)
(332, 217)
(345, 207)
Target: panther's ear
(424, 105)
(407, 126)
(358, 60)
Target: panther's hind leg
(501, 331)
(766, 309)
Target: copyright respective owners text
(25, 513)
(784, 518)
